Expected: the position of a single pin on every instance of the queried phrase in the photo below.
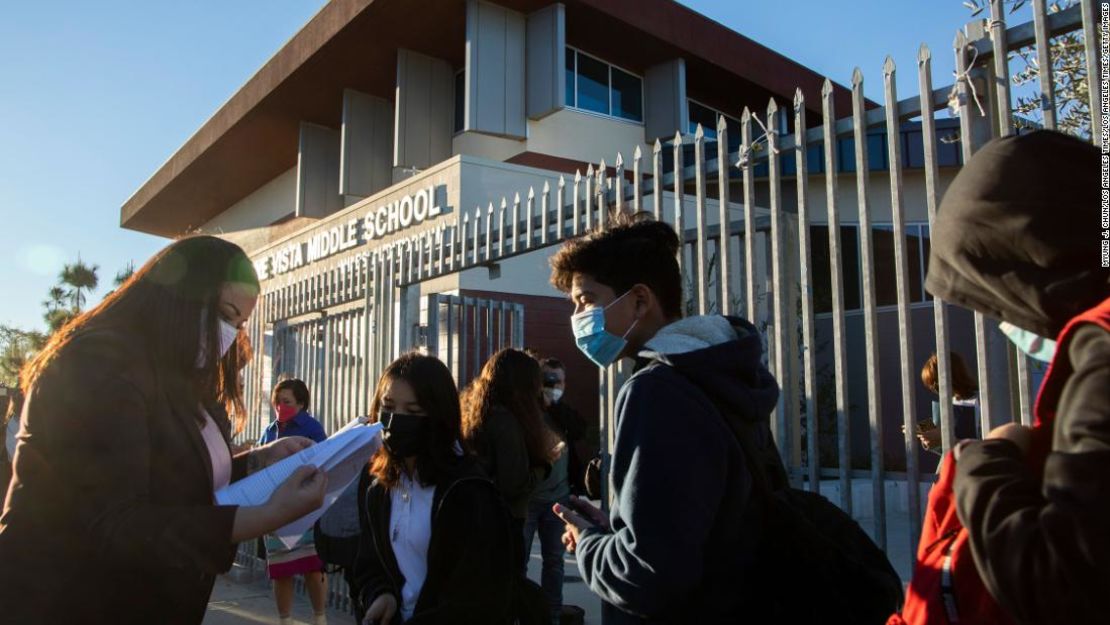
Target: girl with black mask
(435, 542)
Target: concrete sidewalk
(243, 597)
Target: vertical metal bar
(618, 185)
(602, 196)
(464, 235)
(500, 230)
(464, 334)
(637, 181)
(679, 220)
(560, 202)
(490, 328)
(968, 139)
(574, 202)
(745, 165)
(452, 334)
(778, 280)
(516, 221)
(1024, 402)
(590, 197)
(477, 332)
(657, 180)
(940, 310)
(545, 205)
(477, 227)
(724, 241)
(502, 329)
(836, 274)
(530, 207)
(1044, 66)
(901, 264)
(1001, 69)
(1091, 41)
(870, 317)
(809, 367)
(700, 245)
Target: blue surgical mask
(1033, 345)
(598, 344)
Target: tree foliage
(17, 347)
(1069, 75)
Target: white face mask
(553, 394)
(228, 334)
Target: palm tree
(123, 275)
(79, 277)
(56, 299)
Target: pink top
(217, 451)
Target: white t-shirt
(410, 531)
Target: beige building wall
(581, 136)
(271, 202)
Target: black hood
(729, 368)
(1017, 234)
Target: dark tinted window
(570, 78)
(460, 103)
(628, 99)
(593, 85)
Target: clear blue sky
(94, 97)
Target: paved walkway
(244, 598)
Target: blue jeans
(551, 529)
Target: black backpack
(814, 563)
(336, 533)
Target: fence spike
(923, 53)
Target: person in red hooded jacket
(1017, 238)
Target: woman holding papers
(112, 517)
(435, 543)
(290, 399)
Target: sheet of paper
(341, 457)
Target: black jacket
(110, 518)
(571, 427)
(470, 566)
(1014, 239)
(503, 455)
(683, 521)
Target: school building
(420, 127)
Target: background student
(290, 400)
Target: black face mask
(403, 435)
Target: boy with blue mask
(679, 541)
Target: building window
(460, 100)
(886, 285)
(707, 117)
(594, 85)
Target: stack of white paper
(341, 457)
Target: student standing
(290, 399)
(679, 543)
(435, 545)
(111, 516)
(503, 424)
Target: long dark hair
(437, 394)
(511, 379)
(164, 305)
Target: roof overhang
(353, 44)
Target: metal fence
(738, 257)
